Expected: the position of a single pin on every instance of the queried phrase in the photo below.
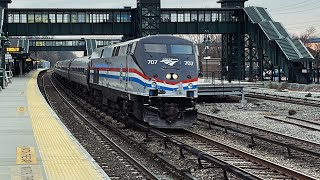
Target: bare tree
(53, 56)
(214, 44)
(309, 33)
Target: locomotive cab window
(181, 49)
(155, 48)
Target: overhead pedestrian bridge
(253, 44)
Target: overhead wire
(294, 12)
(304, 22)
(298, 8)
(290, 7)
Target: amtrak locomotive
(153, 79)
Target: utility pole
(206, 40)
(4, 44)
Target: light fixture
(175, 76)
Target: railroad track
(247, 165)
(132, 168)
(294, 146)
(313, 122)
(106, 122)
(211, 154)
(306, 124)
(229, 171)
(286, 99)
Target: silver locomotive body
(152, 78)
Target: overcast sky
(296, 15)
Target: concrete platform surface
(34, 142)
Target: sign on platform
(26, 155)
(8, 56)
(14, 49)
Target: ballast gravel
(253, 114)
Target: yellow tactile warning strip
(26, 155)
(61, 157)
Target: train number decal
(188, 63)
(153, 62)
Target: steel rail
(307, 146)
(45, 93)
(201, 155)
(286, 99)
(292, 123)
(304, 120)
(257, 161)
(226, 167)
(185, 173)
(134, 162)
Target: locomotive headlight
(190, 85)
(175, 76)
(154, 84)
(168, 76)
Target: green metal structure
(233, 66)
(253, 44)
(86, 45)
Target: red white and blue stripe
(141, 79)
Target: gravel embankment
(285, 92)
(253, 114)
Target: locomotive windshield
(162, 49)
(181, 49)
(155, 48)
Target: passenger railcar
(152, 78)
(63, 68)
(79, 73)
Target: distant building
(314, 48)
(214, 65)
(314, 43)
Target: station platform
(215, 87)
(34, 142)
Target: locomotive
(152, 78)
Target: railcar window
(117, 51)
(123, 50)
(181, 49)
(107, 52)
(114, 51)
(101, 53)
(155, 48)
(129, 48)
(133, 48)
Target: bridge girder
(149, 18)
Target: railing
(216, 77)
(69, 16)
